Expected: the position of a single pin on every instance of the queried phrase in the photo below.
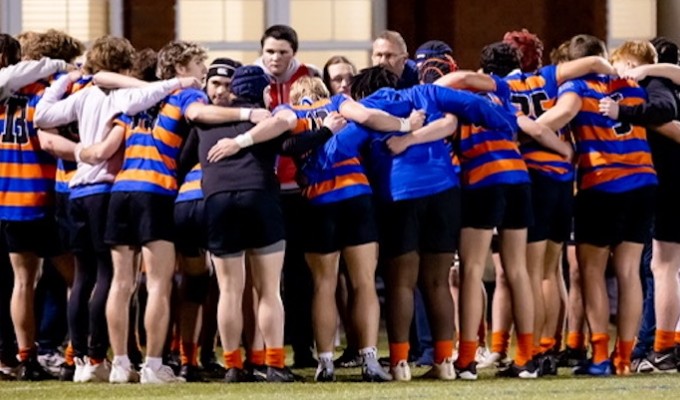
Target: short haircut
(529, 46)
(178, 52)
(435, 67)
(560, 53)
(369, 80)
(309, 87)
(666, 49)
(144, 66)
(394, 37)
(586, 45)
(640, 50)
(10, 50)
(332, 61)
(110, 53)
(281, 32)
(52, 44)
(499, 58)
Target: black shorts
(607, 219)
(553, 203)
(190, 237)
(89, 221)
(137, 218)
(428, 224)
(667, 212)
(40, 237)
(241, 220)
(61, 215)
(498, 206)
(332, 227)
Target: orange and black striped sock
(399, 352)
(576, 340)
(500, 340)
(600, 344)
(663, 340)
(443, 349)
(467, 350)
(233, 359)
(275, 357)
(188, 352)
(525, 347)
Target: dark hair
(332, 61)
(499, 59)
(281, 32)
(144, 65)
(10, 50)
(369, 80)
(666, 49)
(586, 45)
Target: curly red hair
(529, 46)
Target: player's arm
(659, 108)
(671, 130)
(583, 66)
(432, 132)
(50, 112)
(663, 70)
(55, 144)
(113, 80)
(566, 108)
(14, 77)
(211, 114)
(132, 101)
(545, 136)
(379, 120)
(298, 144)
(102, 151)
(467, 80)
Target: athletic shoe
(66, 372)
(51, 362)
(482, 354)
(401, 371)
(325, 371)
(163, 375)
(663, 361)
(590, 368)
(191, 373)
(281, 375)
(468, 373)
(212, 369)
(547, 364)
(79, 363)
(235, 375)
(256, 373)
(499, 360)
(571, 358)
(121, 374)
(31, 370)
(372, 371)
(5, 377)
(172, 360)
(349, 359)
(444, 371)
(93, 373)
(526, 371)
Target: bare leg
(118, 303)
(159, 258)
(361, 263)
(324, 268)
(26, 267)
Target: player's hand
(609, 108)
(222, 149)
(189, 82)
(417, 119)
(399, 143)
(74, 75)
(334, 121)
(636, 74)
(259, 114)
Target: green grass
(565, 386)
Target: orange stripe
(169, 138)
(597, 159)
(24, 199)
(543, 156)
(493, 167)
(150, 153)
(27, 171)
(64, 176)
(302, 125)
(611, 174)
(171, 111)
(351, 161)
(335, 184)
(608, 134)
(316, 104)
(191, 185)
(154, 177)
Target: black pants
(8, 348)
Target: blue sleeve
(123, 119)
(337, 100)
(475, 109)
(549, 74)
(188, 97)
(573, 86)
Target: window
(83, 19)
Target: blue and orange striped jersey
(490, 156)
(427, 168)
(190, 189)
(533, 94)
(611, 156)
(26, 172)
(325, 181)
(66, 169)
(153, 143)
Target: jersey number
(530, 105)
(16, 127)
(621, 128)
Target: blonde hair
(307, 86)
(110, 53)
(178, 52)
(53, 44)
(642, 51)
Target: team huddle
(144, 163)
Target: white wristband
(405, 125)
(244, 140)
(245, 114)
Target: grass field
(565, 386)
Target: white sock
(123, 361)
(153, 363)
(326, 356)
(369, 352)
